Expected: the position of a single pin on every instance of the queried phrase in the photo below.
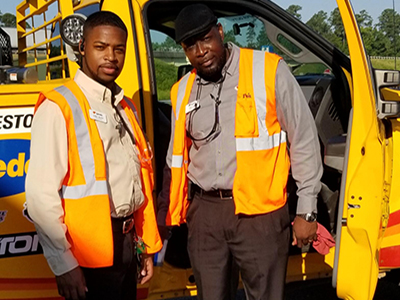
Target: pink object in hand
(324, 240)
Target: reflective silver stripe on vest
(181, 94)
(260, 93)
(177, 161)
(264, 141)
(92, 187)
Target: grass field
(386, 64)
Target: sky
(309, 7)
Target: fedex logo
(19, 245)
(14, 162)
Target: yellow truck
(356, 111)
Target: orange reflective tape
(394, 219)
(392, 230)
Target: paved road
(387, 289)
(321, 289)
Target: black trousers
(218, 239)
(117, 282)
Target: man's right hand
(72, 285)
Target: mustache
(205, 60)
(109, 65)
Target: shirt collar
(97, 91)
(233, 60)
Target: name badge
(192, 106)
(97, 116)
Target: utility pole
(394, 35)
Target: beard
(214, 72)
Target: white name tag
(192, 106)
(97, 116)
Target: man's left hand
(303, 232)
(146, 268)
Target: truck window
(243, 30)
(168, 56)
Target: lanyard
(216, 129)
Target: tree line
(380, 39)
(8, 20)
(253, 40)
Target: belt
(222, 194)
(124, 224)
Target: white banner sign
(16, 120)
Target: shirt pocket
(246, 119)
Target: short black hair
(101, 18)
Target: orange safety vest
(84, 192)
(262, 160)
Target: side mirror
(236, 29)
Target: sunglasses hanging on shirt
(148, 153)
(216, 129)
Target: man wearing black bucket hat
(232, 119)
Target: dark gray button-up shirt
(213, 164)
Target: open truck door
(368, 219)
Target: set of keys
(140, 247)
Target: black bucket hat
(193, 20)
